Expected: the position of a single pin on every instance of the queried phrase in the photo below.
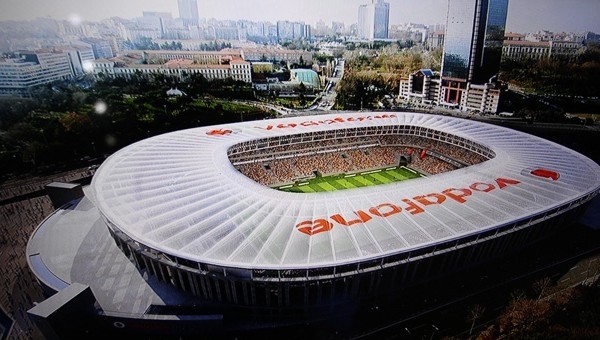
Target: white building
(269, 53)
(332, 48)
(29, 69)
(423, 87)
(188, 11)
(80, 54)
(523, 49)
(541, 50)
(287, 30)
(566, 50)
(481, 98)
(199, 57)
(373, 20)
(224, 67)
(435, 39)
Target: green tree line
(370, 77)
(146, 43)
(556, 76)
(64, 123)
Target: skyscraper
(373, 20)
(472, 45)
(188, 11)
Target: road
(322, 104)
(328, 96)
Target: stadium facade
(196, 227)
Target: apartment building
(27, 69)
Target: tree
(146, 43)
(360, 90)
(301, 90)
(550, 76)
(475, 312)
(31, 152)
(540, 286)
(75, 123)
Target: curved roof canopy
(180, 194)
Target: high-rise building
(188, 11)
(374, 20)
(472, 46)
(287, 30)
(102, 48)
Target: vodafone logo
(336, 120)
(545, 173)
(219, 132)
(413, 206)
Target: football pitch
(358, 180)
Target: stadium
(302, 214)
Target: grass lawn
(342, 182)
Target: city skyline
(523, 15)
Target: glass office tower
(487, 64)
(459, 39)
(473, 41)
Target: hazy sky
(523, 16)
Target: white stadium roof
(179, 193)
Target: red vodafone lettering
(314, 227)
(385, 210)
(430, 199)
(503, 182)
(482, 187)
(284, 126)
(413, 206)
(324, 122)
(457, 194)
(331, 121)
(362, 218)
(219, 132)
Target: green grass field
(342, 182)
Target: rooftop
(73, 245)
(527, 43)
(179, 193)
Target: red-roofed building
(522, 49)
(519, 47)
(212, 65)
